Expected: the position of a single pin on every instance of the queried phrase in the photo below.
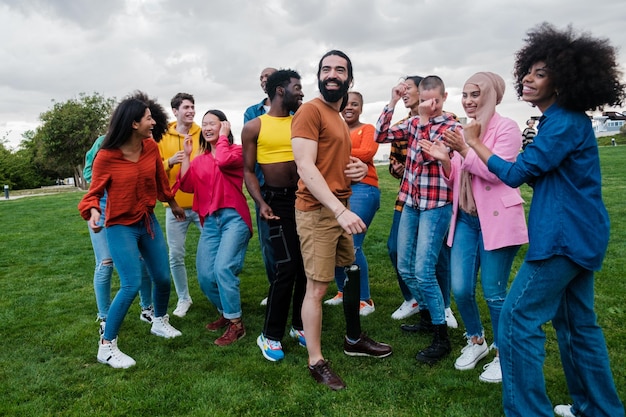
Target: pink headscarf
(491, 88)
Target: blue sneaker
(298, 335)
(271, 349)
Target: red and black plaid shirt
(422, 185)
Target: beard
(291, 102)
(333, 96)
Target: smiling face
(264, 76)
(471, 99)
(211, 128)
(293, 95)
(411, 96)
(334, 80)
(185, 112)
(537, 86)
(143, 128)
(353, 109)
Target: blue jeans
(127, 244)
(468, 255)
(176, 232)
(103, 271)
(365, 202)
(419, 248)
(392, 249)
(559, 290)
(219, 260)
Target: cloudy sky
(52, 50)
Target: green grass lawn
(49, 336)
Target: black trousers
(288, 285)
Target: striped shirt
(422, 186)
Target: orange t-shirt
(315, 120)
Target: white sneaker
(450, 319)
(470, 355)
(161, 327)
(564, 410)
(147, 314)
(336, 300)
(264, 301)
(109, 353)
(366, 307)
(406, 309)
(182, 307)
(492, 372)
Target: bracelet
(342, 211)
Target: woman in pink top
(488, 223)
(215, 177)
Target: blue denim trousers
(419, 249)
(365, 202)
(128, 244)
(468, 255)
(219, 260)
(176, 232)
(392, 250)
(554, 289)
(103, 272)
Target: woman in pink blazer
(488, 223)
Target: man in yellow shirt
(171, 148)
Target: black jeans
(289, 277)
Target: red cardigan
(132, 187)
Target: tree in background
(18, 168)
(68, 130)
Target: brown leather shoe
(234, 332)
(366, 347)
(217, 324)
(322, 373)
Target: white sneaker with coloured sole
(406, 309)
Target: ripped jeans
(103, 272)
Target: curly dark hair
(583, 69)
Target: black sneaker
(322, 373)
(366, 347)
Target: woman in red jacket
(128, 167)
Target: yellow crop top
(274, 141)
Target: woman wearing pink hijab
(488, 224)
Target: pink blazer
(500, 208)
